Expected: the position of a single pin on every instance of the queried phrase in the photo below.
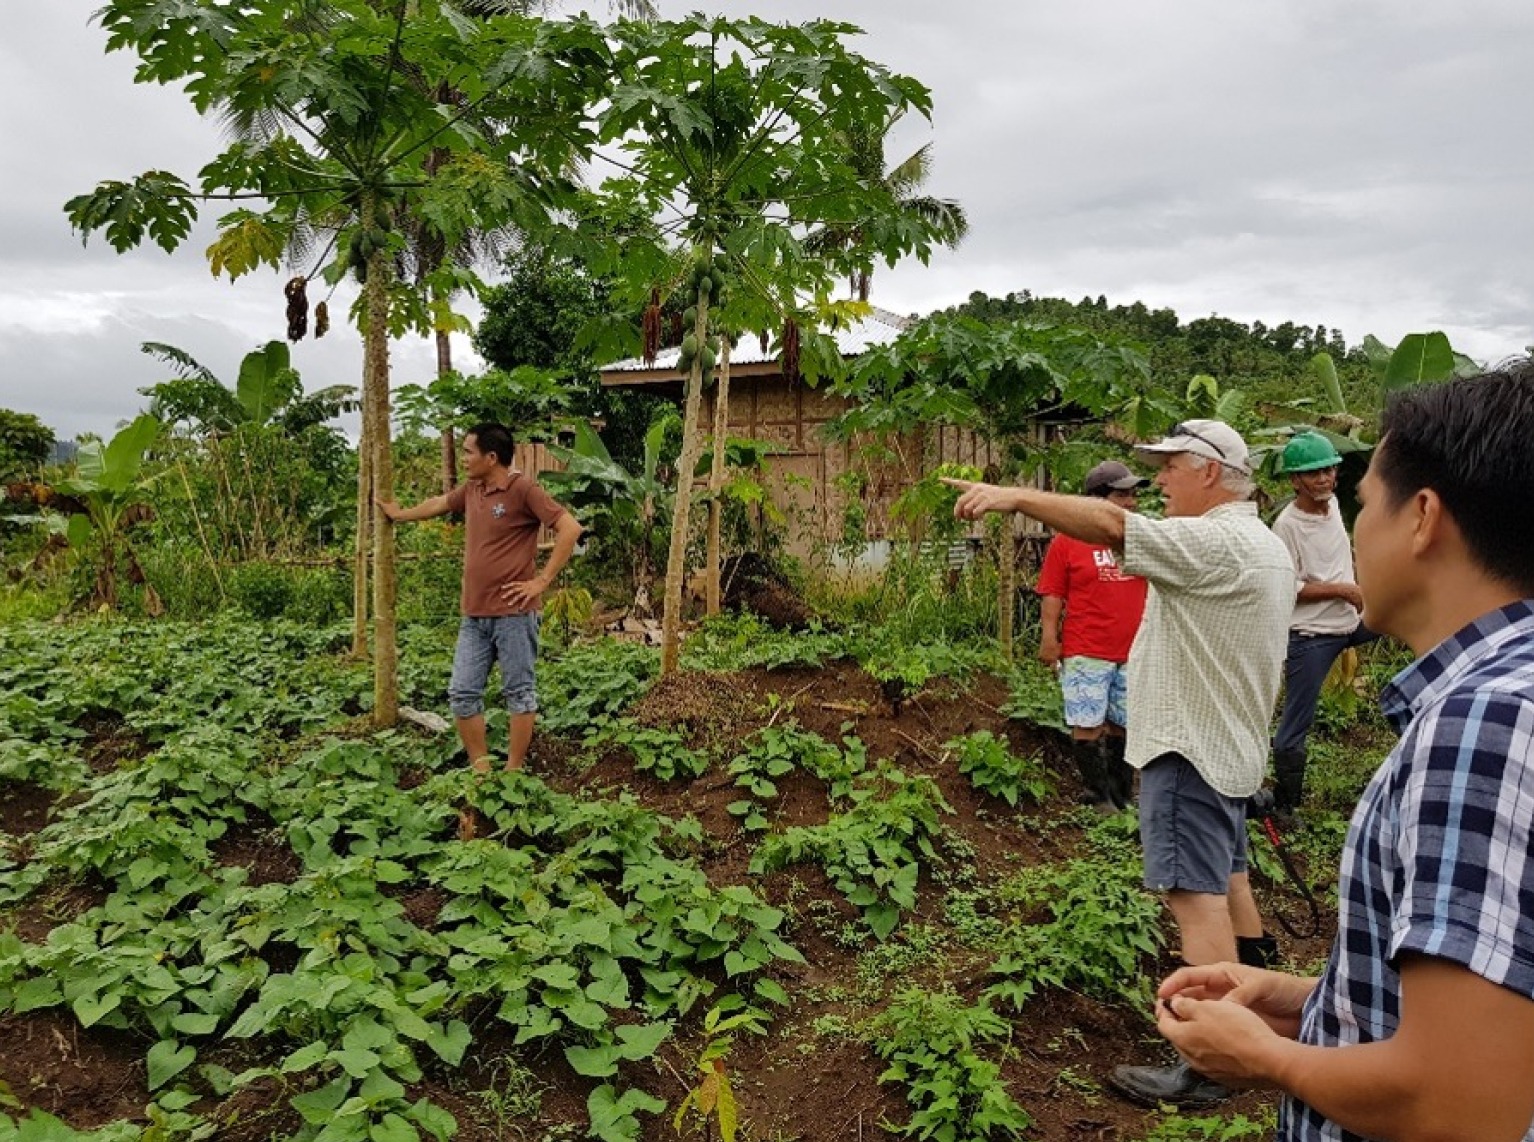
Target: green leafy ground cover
(215, 873)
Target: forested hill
(1269, 362)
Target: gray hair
(1233, 480)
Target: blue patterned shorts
(1095, 691)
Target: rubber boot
(1257, 951)
(1121, 775)
(1090, 762)
(1289, 781)
(1178, 1085)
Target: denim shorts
(511, 640)
(1094, 691)
(1193, 837)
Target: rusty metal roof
(880, 327)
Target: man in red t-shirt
(1101, 607)
(503, 511)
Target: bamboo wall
(803, 477)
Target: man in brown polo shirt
(503, 512)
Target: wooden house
(804, 476)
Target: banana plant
(616, 501)
(98, 507)
(268, 391)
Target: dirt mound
(691, 703)
(263, 851)
(748, 582)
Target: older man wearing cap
(1090, 611)
(1203, 674)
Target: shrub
(321, 595)
(261, 589)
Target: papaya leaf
(155, 203)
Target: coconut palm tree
(865, 154)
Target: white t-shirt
(1322, 553)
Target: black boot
(1257, 951)
(1179, 1085)
(1090, 762)
(1121, 775)
(1289, 780)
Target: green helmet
(1307, 452)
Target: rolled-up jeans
(511, 640)
(1309, 660)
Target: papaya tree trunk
(364, 540)
(716, 475)
(449, 443)
(385, 587)
(676, 561)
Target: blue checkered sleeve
(1467, 859)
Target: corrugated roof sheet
(879, 328)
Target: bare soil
(87, 1077)
(25, 808)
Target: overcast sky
(1364, 165)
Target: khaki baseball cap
(1213, 439)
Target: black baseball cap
(1111, 476)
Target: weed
(833, 1027)
(1084, 1085)
(995, 769)
(916, 945)
(873, 852)
(512, 1101)
(1210, 1128)
(932, 1043)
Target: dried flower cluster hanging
(298, 307)
(652, 328)
(790, 351)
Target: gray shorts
(1194, 837)
(511, 640)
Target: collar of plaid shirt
(1425, 679)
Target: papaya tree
(993, 379)
(346, 116)
(731, 135)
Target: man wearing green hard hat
(1327, 602)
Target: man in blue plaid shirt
(1422, 1024)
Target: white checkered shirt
(1440, 855)
(1205, 666)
